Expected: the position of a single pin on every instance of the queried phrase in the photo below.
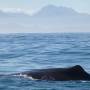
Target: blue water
(22, 52)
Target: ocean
(23, 52)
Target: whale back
(71, 73)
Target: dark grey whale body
(59, 74)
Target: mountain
(53, 11)
(60, 13)
(48, 19)
(62, 19)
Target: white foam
(85, 81)
(26, 76)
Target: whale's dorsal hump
(77, 68)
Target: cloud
(12, 10)
(16, 10)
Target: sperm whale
(59, 74)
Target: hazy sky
(30, 6)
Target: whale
(57, 74)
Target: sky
(32, 6)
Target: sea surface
(23, 52)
